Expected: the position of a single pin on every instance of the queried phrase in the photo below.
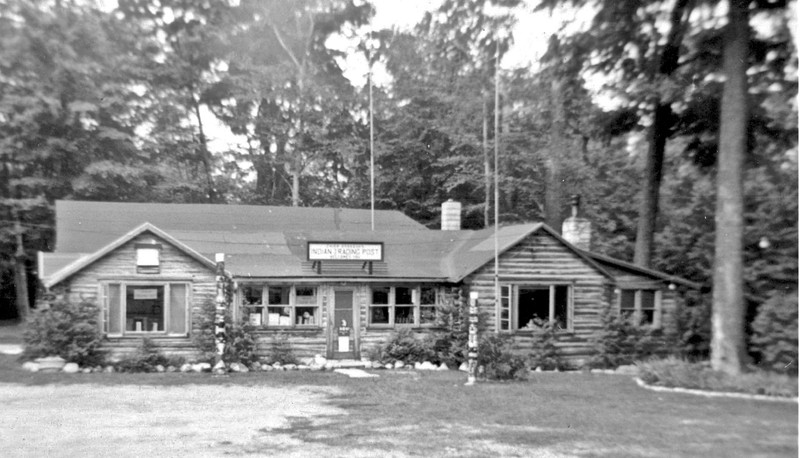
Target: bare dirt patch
(132, 420)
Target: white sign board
(335, 251)
(145, 294)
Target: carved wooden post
(472, 343)
(219, 317)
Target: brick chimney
(451, 215)
(577, 230)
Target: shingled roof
(270, 242)
(85, 227)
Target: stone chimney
(577, 230)
(451, 215)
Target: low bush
(621, 343)
(545, 352)
(404, 346)
(69, 330)
(240, 344)
(280, 350)
(775, 333)
(497, 360)
(203, 332)
(675, 372)
(145, 359)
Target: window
(531, 307)
(402, 305)
(138, 307)
(283, 305)
(641, 306)
(147, 258)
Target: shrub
(69, 330)
(620, 342)
(203, 335)
(240, 344)
(280, 350)
(404, 346)
(694, 328)
(674, 372)
(497, 360)
(545, 352)
(775, 333)
(145, 359)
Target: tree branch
(283, 45)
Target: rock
(71, 368)
(319, 360)
(86, 370)
(538, 369)
(427, 366)
(389, 366)
(234, 367)
(51, 363)
(443, 367)
(204, 367)
(305, 361)
(267, 368)
(377, 365)
(278, 366)
(186, 368)
(31, 366)
(243, 369)
(464, 367)
(303, 367)
(417, 365)
(399, 364)
(108, 369)
(255, 367)
(160, 368)
(627, 370)
(290, 367)
(172, 369)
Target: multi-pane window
(402, 305)
(154, 308)
(283, 305)
(525, 307)
(641, 306)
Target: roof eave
(644, 270)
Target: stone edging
(713, 394)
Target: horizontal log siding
(541, 259)
(120, 265)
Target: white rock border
(713, 394)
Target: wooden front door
(342, 335)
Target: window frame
(166, 308)
(509, 294)
(148, 258)
(637, 305)
(292, 305)
(416, 299)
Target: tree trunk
(552, 190)
(20, 272)
(727, 342)
(648, 206)
(205, 155)
(659, 132)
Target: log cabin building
(335, 287)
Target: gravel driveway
(154, 421)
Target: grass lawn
(402, 413)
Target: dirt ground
(154, 421)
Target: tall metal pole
(371, 147)
(496, 180)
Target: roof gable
(84, 261)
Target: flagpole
(496, 180)
(371, 148)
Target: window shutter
(113, 307)
(177, 308)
